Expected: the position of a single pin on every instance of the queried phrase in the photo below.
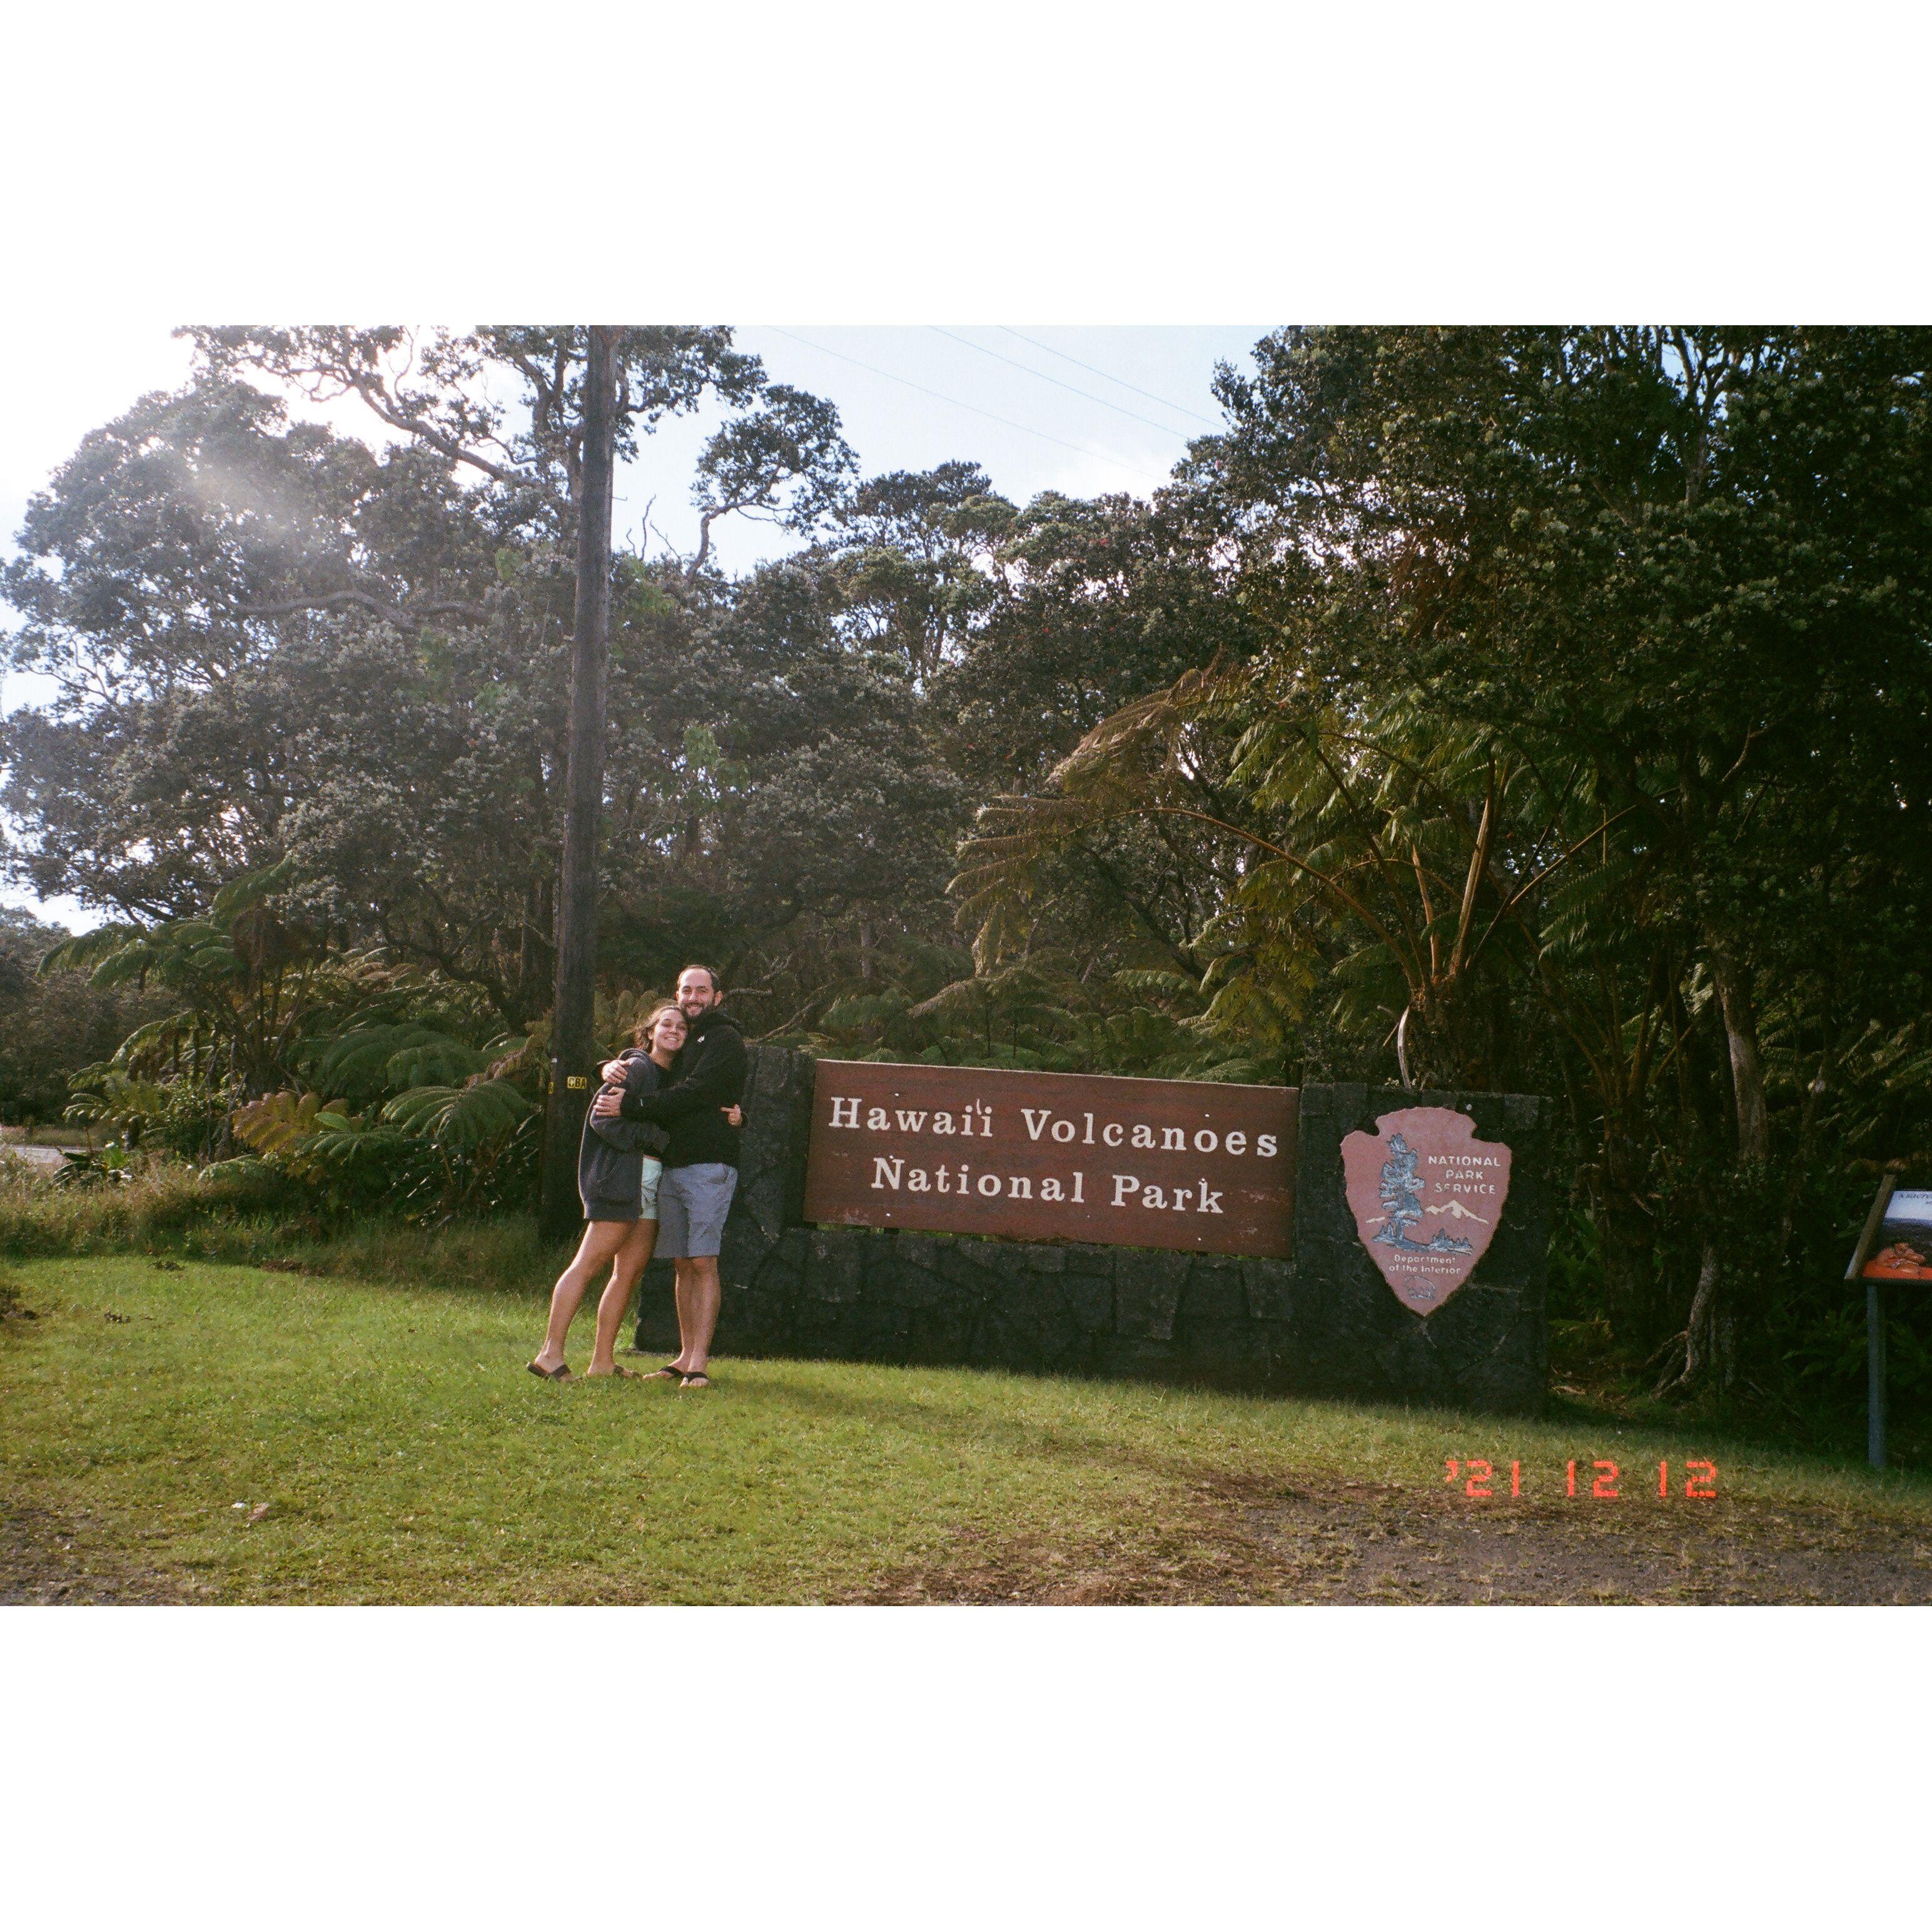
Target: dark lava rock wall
(1323, 1323)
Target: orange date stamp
(1602, 1481)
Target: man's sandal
(697, 1379)
(618, 1373)
(669, 1372)
(561, 1373)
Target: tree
(247, 986)
(586, 391)
(188, 726)
(776, 792)
(244, 566)
(54, 1024)
(570, 1043)
(1686, 568)
(413, 770)
(911, 564)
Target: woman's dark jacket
(610, 1158)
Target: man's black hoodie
(709, 1075)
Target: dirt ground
(1279, 1543)
(1360, 1543)
(50, 1558)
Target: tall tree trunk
(1734, 997)
(1706, 1335)
(1710, 1334)
(572, 1045)
(1626, 1236)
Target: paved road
(51, 1159)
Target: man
(700, 1164)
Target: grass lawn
(384, 1445)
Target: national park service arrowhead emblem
(1427, 1197)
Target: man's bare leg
(681, 1295)
(704, 1295)
(601, 1242)
(625, 1270)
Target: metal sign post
(1874, 1326)
(1875, 1374)
(1899, 1228)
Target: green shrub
(251, 1211)
(147, 1203)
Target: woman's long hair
(641, 1035)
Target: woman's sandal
(618, 1373)
(561, 1373)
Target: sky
(1079, 410)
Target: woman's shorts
(642, 1206)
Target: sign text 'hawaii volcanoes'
(1053, 1157)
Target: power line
(1104, 377)
(1040, 375)
(1004, 421)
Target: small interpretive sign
(1189, 1164)
(1902, 1250)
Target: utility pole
(573, 1078)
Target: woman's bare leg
(601, 1242)
(627, 1265)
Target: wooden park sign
(1188, 1164)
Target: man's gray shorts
(692, 1203)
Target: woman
(617, 1174)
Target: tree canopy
(1541, 709)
